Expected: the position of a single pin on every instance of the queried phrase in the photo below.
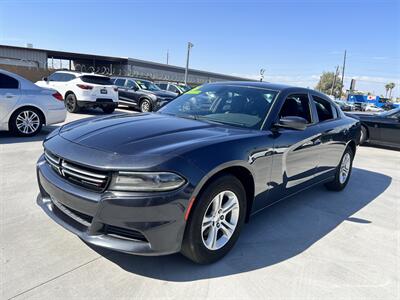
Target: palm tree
(387, 88)
(391, 85)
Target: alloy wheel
(220, 220)
(345, 168)
(145, 106)
(27, 122)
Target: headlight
(146, 181)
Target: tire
(108, 109)
(26, 122)
(71, 104)
(364, 135)
(346, 163)
(145, 105)
(194, 245)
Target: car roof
(131, 78)
(79, 73)
(269, 86)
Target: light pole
(190, 45)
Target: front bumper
(144, 224)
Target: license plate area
(103, 91)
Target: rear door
(295, 151)
(10, 93)
(120, 83)
(332, 136)
(131, 92)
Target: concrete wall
(39, 58)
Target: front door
(296, 152)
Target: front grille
(124, 233)
(82, 176)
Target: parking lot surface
(316, 245)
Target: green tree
(325, 84)
(387, 88)
(391, 87)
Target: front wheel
(145, 105)
(343, 172)
(215, 221)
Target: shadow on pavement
(276, 234)
(8, 138)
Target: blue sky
(293, 40)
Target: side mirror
(135, 88)
(292, 122)
(45, 79)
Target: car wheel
(364, 135)
(215, 221)
(26, 122)
(145, 105)
(108, 109)
(71, 104)
(343, 172)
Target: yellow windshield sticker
(194, 91)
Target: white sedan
(26, 107)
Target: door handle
(9, 96)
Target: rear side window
(7, 82)
(96, 79)
(68, 77)
(162, 86)
(297, 105)
(120, 82)
(324, 109)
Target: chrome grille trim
(83, 176)
(79, 170)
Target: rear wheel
(26, 122)
(343, 172)
(71, 104)
(108, 109)
(145, 106)
(216, 220)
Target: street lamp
(190, 45)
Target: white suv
(83, 90)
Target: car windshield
(390, 112)
(147, 85)
(226, 104)
(184, 88)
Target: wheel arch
(241, 172)
(25, 106)
(68, 93)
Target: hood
(146, 134)
(164, 94)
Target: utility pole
(344, 66)
(167, 56)
(262, 71)
(334, 80)
(190, 45)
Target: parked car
(382, 128)
(141, 94)
(189, 176)
(372, 108)
(174, 87)
(25, 107)
(82, 90)
(345, 106)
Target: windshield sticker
(194, 91)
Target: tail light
(85, 86)
(58, 96)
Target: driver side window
(296, 105)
